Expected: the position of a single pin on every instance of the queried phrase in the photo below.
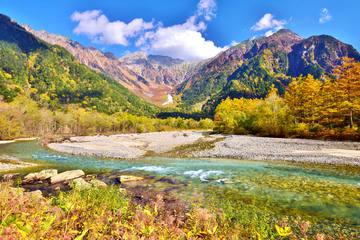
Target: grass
(188, 149)
(109, 213)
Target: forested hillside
(252, 67)
(310, 108)
(53, 78)
(45, 91)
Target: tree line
(320, 108)
(24, 118)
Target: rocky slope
(250, 68)
(159, 70)
(150, 77)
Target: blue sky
(188, 29)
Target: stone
(40, 176)
(10, 176)
(80, 184)
(65, 176)
(97, 183)
(34, 194)
(129, 178)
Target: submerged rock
(40, 176)
(168, 180)
(80, 184)
(68, 175)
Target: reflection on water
(326, 193)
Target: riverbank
(17, 140)
(127, 146)
(285, 149)
(9, 163)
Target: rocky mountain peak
(287, 33)
(134, 56)
(160, 69)
(283, 40)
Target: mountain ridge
(145, 79)
(247, 69)
(250, 68)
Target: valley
(137, 129)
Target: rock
(168, 180)
(40, 176)
(80, 184)
(68, 175)
(34, 194)
(97, 183)
(129, 178)
(10, 176)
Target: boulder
(80, 184)
(40, 176)
(129, 178)
(97, 183)
(68, 175)
(34, 194)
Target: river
(317, 192)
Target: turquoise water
(328, 193)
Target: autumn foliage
(327, 107)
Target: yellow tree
(235, 115)
(347, 87)
(329, 109)
(272, 115)
(302, 97)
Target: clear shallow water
(331, 194)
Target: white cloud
(269, 24)
(207, 8)
(99, 29)
(325, 16)
(184, 41)
(180, 41)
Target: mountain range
(51, 75)
(248, 69)
(150, 77)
